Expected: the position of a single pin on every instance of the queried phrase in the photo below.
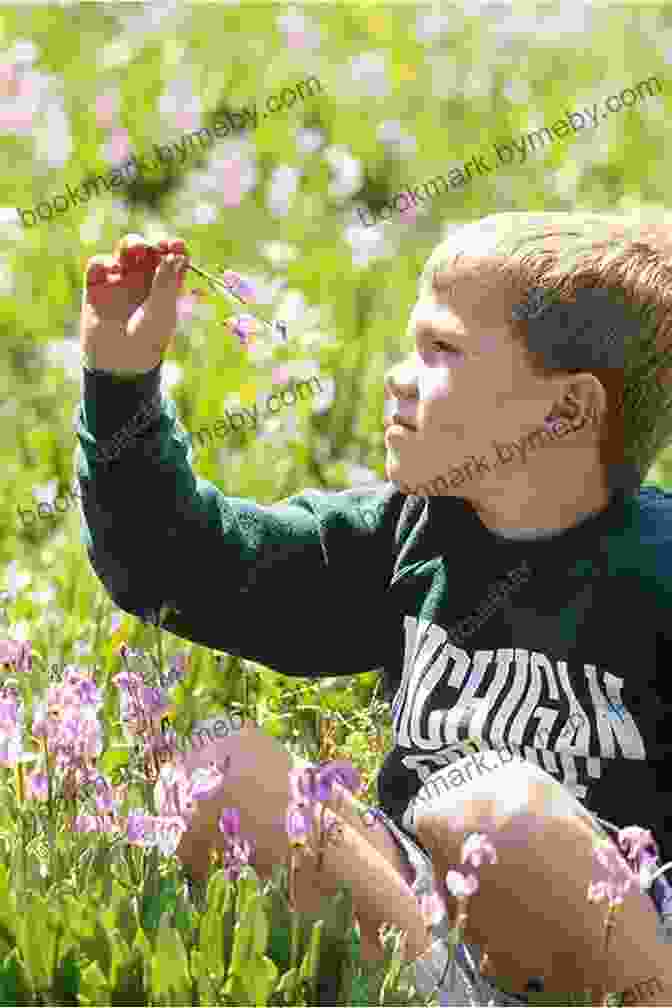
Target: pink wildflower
(38, 786)
(229, 823)
(206, 782)
(169, 830)
(18, 654)
(236, 858)
(432, 907)
(298, 823)
(619, 877)
(140, 829)
(93, 824)
(316, 784)
(460, 885)
(477, 848)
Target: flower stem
(320, 840)
(159, 645)
(290, 881)
(50, 798)
(20, 784)
(460, 925)
(601, 991)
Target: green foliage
(69, 953)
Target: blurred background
(406, 92)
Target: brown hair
(560, 253)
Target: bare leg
(531, 912)
(368, 859)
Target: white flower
(347, 169)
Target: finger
(175, 267)
(160, 307)
(135, 252)
(176, 245)
(98, 269)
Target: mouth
(397, 421)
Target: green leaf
(311, 961)
(236, 989)
(15, 985)
(241, 949)
(129, 987)
(170, 965)
(125, 918)
(261, 980)
(93, 989)
(279, 945)
(115, 757)
(151, 904)
(67, 979)
(287, 985)
(103, 948)
(34, 942)
(211, 935)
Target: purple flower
(105, 801)
(340, 772)
(298, 823)
(304, 786)
(38, 786)
(371, 817)
(140, 828)
(244, 327)
(239, 286)
(229, 823)
(313, 784)
(89, 692)
(154, 701)
(643, 856)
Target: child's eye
(446, 348)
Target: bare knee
(257, 784)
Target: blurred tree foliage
(407, 92)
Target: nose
(401, 381)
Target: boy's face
(466, 387)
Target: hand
(129, 303)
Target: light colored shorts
(463, 984)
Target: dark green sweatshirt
(557, 649)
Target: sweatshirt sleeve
(299, 586)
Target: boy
(524, 328)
